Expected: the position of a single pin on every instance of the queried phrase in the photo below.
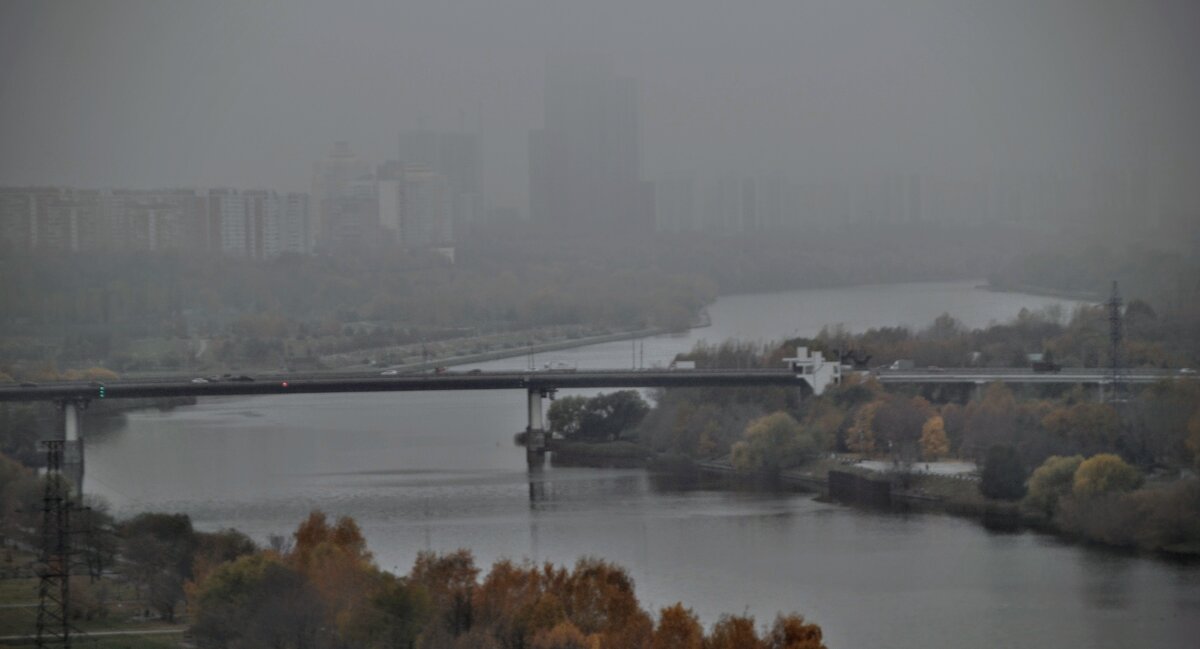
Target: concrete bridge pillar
(72, 463)
(977, 390)
(535, 431)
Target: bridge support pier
(535, 432)
(977, 390)
(73, 448)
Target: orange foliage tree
(678, 628)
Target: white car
(1187, 370)
(389, 372)
(199, 380)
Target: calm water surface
(439, 471)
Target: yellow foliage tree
(337, 563)
(1051, 482)
(933, 438)
(1104, 474)
(771, 443)
(860, 437)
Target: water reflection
(1106, 578)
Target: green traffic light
(102, 392)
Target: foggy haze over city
(605, 324)
(152, 95)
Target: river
(439, 471)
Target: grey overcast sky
(249, 93)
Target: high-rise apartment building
(256, 224)
(295, 234)
(585, 164)
(424, 216)
(337, 203)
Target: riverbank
(842, 480)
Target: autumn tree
(564, 636)
(823, 419)
(1162, 424)
(733, 632)
(1086, 427)
(860, 436)
(216, 548)
(1104, 474)
(336, 562)
(678, 628)
(516, 602)
(792, 632)
(772, 443)
(158, 549)
(991, 420)
(394, 617)
(933, 438)
(1051, 482)
(599, 599)
(898, 422)
(450, 581)
(257, 601)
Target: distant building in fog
(456, 157)
(296, 234)
(585, 164)
(252, 224)
(675, 204)
(336, 198)
(425, 219)
(415, 205)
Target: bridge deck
(360, 382)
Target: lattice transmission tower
(1116, 335)
(54, 588)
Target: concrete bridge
(808, 372)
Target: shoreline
(813, 478)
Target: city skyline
(930, 89)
